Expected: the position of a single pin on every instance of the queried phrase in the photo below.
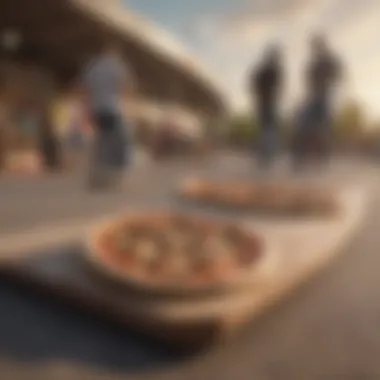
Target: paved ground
(329, 330)
(28, 202)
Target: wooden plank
(304, 248)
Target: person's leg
(322, 126)
(97, 169)
(268, 136)
(264, 149)
(99, 152)
(270, 147)
(3, 148)
(299, 154)
(124, 145)
(326, 148)
(259, 144)
(117, 154)
(310, 131)
(273, 134)
(300, 138)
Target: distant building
(51, 39)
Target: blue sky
(176, 15)
(180, 17)
(229, 35)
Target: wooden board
(204, 193)
(305, 247)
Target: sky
(230, 35)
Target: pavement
(327, 330)
(43, 201)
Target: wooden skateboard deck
(304, 247)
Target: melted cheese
(146, 251)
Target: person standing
(323, 73)
(106, 79)
(3, 131)
(75, 138)
(266, 87)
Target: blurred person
(105, 79)
(76, 128)
(3, 131)
(48, 141)
(266, 86)
(49, 144)
(323, 73)
(74, 137)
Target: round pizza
(170, 252)
(272, 197)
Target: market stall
(28, 139)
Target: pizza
(177, 252)
(273, 197)
(314, 201)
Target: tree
(372, 145)
(243, 130)
(350, 122)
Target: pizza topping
(146, 251)
(178, 249)
(179, 265)
(271, 196)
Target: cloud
(261, 9)
(260, 22)
(233, 41)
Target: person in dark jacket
(323, 73)
(266, 86)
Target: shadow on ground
(34, 328)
